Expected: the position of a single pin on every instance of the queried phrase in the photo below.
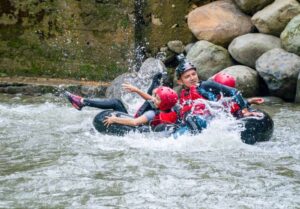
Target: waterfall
(139, 41)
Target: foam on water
(52, 157)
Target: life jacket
(164, 117)
(234, 107)
(187, 101)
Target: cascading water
(139, 41)
(51, 157)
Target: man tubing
(194, 89)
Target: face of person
(189, 78)
(156, 99)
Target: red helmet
(167, 96)
(225, 79)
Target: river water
(51, 157)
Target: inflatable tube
(257, 129)
(116, 129)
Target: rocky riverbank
(37, 86)
(257, 42)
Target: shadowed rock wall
(166, 20)
(84, 39)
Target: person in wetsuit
(157, 109)
(194, 89)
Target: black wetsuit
(118, 105)
(211, 91)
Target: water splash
(51, 157)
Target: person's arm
(255, 100)
(226, 91)
(217, 88)
(143, 119)
(246, 113)
(132, 88)
(125, 121)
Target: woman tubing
(163, 99)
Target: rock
(274, 17)
(176, 46)
(219, 22)
(246, 49)
(115, 89)
(142, 79)
(279, 69)
(66, 39)
(297, 97)
(290, 37)
(155, 20)
(166, 55)
(89, 91)
(188, 47)
(270, 100)
(252, 6)
(247, 79)
(208, 58)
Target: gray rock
(208, 58)
(115, 89)
(270, 100)
(252, 6)
(142, 80)
(279, 69)
(246, 49)
(188, 47)
(89, 91)
(176, 46)
(274, 17)
(247, 79)
(290, 37)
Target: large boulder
(246, 49)
(280, 70)
(218, 22)
(274, 17)
(247, 79)
(142, 79)
(290, 37)
(252, 6)
(115, 89)
(208, 58)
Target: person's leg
(79, 102)
(114, 104)
(75, 100)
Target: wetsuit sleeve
(218, 89)
(150, 114)
(156, 80)
(146, 105)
